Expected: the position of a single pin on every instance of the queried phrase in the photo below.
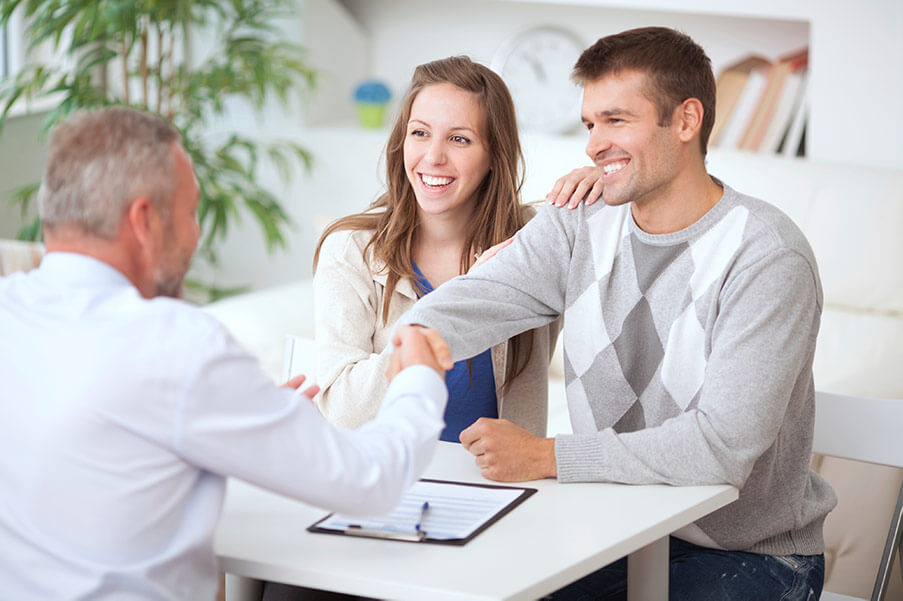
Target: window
(4, 55)
(11, 45)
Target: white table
(558, 535)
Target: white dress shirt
(120, 418)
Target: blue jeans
(702, 574)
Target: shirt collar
(404, 286)
(76, 268)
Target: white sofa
(852, 217)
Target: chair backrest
(864, 429)
(298, 357)
(859, 428)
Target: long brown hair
(497, 215)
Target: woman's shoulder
(347, 239)
(345, 245)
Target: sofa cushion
(16, 255)
(260, 320)
(854, 228)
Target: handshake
(416, 345)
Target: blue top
(471, 392)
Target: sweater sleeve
(519, 289)
(350, 371)
(762, 346)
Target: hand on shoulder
(580, 184)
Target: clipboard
(458, 512)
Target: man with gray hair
(123, 410)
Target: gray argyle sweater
(688, 356)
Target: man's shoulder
(770, 225)
(572, 218)
(162, 316)
(769, 234)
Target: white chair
(864, 429)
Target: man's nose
(598, 143)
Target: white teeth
(432, 180)
(614, 167)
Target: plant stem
(125, 70)
(143, 65)
(160, 56)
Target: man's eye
(589, 126)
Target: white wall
(856, 55)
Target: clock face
(537, 66)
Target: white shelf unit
(856, 56)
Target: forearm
(275, 438)
(373, 465)
(519, 289)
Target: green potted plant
(136, 53)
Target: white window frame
(12, 45)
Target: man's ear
(688, 118)
(140, 217)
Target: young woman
(454, 171)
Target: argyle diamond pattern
(641, 357)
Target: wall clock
(536, 65)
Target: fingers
(311, 391)
(415, 345)
(595, 192)
(589, 189)
(476, 434)
(470, 435)
(295, 383)
(440, 349)
(585, 182)
(558, 190)
(394, 364)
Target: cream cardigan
(352, 342)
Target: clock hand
(537, 68)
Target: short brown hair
(100, 161)
(675, 66)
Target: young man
(691, 313)
(123, 411)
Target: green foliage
(144, 43)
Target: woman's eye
(418, 133)
(460, 139)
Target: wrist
(551, 464)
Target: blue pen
(423, 509)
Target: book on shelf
(794, 142)
(771, 100)
(785, 111)
(736, 95)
